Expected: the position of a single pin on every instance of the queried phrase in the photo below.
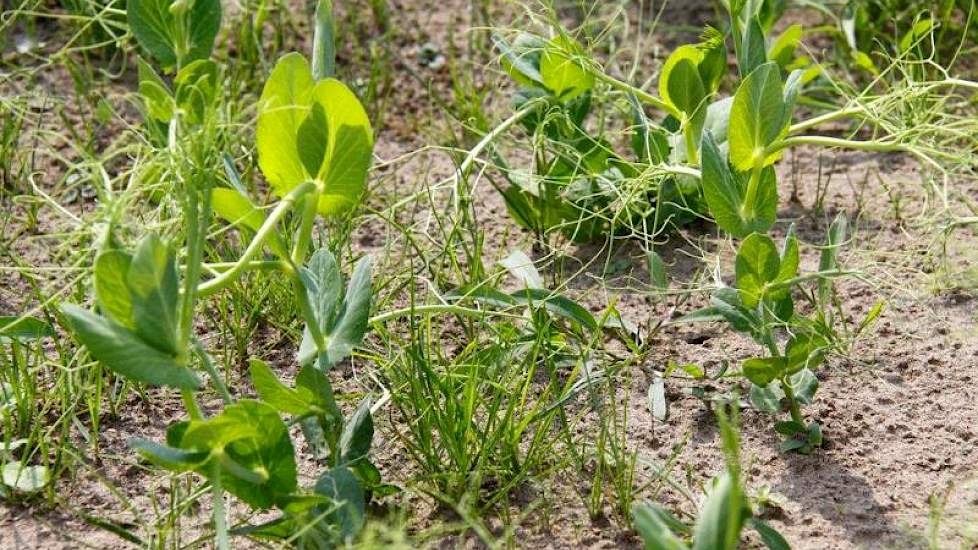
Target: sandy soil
(899, 413)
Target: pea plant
(581, 185)
(724, 512)
(709, 157)
(314, 144)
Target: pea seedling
(314, 144)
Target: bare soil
(899, 413)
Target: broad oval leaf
(757, 264)
(155, 26)
(757, 117)
(561, 73)
(153, 288)
(23, 328)
(125, 353)
(680, 83)
(25, 479)
(313, 131)
(111, 286)
(725, 192)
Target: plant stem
(793, 407)
(874, 146)
(220, 519)
(205, 359)
(473, 154)
(435, 308)
(692, 155)
(254, 247)
(310, 206)
(750, 196)
(639, 93)
(190, 403)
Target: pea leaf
(238, 210)
(783, 48)
(112, 288)
(155, 26)
(274, 392)
(313, 130)
(751, 52)
(256, 442)
(522, 59)
(23, 328)
(342, 486)
(152, 282)
(156, 94)
(358, 432)
(725, 192)
(757, 264)
(350, 147)
(763, 370)
(353, 315)
(561, 73)
(283, 107)
(171, 458)
(25, 479)
(125, 353)
(757, 118)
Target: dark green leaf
(762, 370)
(343, 487)
(125, 353)
(353, 316)
(171, 458)
(152, 281)
(358, 432)
(767, 398)
(24, 328)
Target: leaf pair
(247, 443)
(171, 33)
(804, 351)
(553, 66)
(137, 334)
(338, 320)
(737, 209)
(691, 75)
(762, 272)
(313, 131)
(196, 86)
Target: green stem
(310, 206)
(254, 247)
(215, 376)
(692, 155)
(190, 403)
(639, 93)
(750, 196)
(473, 154)
(793, 407)
(435, 308)
(220, 518)
(855, 145)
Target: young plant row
(314, 144)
